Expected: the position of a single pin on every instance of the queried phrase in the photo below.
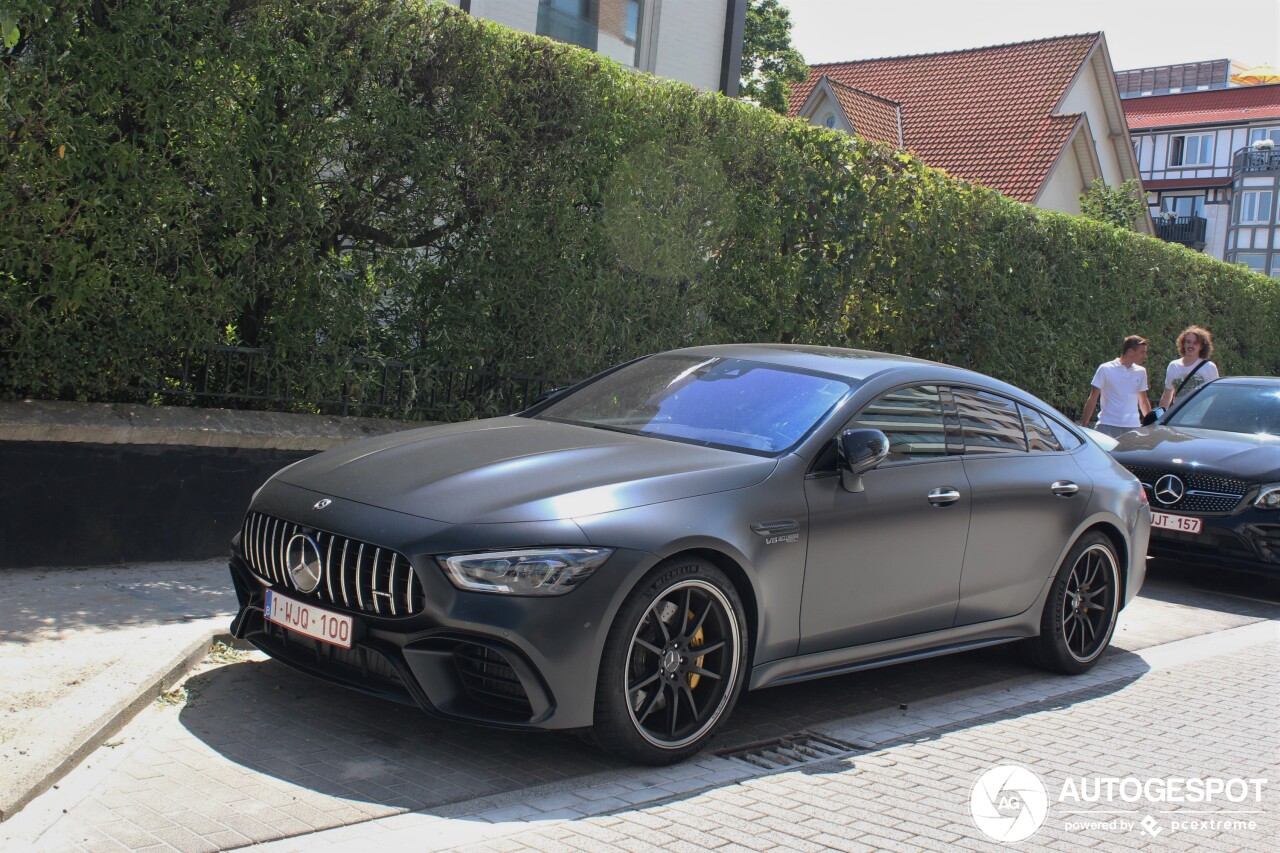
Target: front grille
(354, 575)
(1205, 492)
(490, 680)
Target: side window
(912, 420)
(990, 424)
(1068, 439)
(1040, 437)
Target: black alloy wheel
(673, 665)
(1081, 611)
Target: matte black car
(1211, 468)
(626, 557)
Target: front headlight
(1269, 497)
(527, 571)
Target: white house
(694, 41)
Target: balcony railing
(1187, 230)
(1256, 160)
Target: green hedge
(404, 181)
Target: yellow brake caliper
(698, 639)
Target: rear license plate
(1180, 523)
(333, 628)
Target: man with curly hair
(1193, 369)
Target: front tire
(673, 664)
(1081, 611)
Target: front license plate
(1180, 523)
(309, 621)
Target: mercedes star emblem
(1169, 489)
(302, 558)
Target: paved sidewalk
(1201, 708)
(82, 650)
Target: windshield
(1253, 409)
(719, 402)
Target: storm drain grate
(792, 751)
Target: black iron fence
(1256, 160)
(1187, 230)
(250, 378)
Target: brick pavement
(260, 754)
(1200, 710)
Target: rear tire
(673, 664)
(1081, 610)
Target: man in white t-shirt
(1121, 384)
(1188, 373)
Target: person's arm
(1144, 402)
(1089, 406)
(1166, 398)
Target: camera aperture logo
(1008, 803)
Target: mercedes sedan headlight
(1268, 497)
(527, 571)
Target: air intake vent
(354, 575)
(490, 680)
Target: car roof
(1249, 380)
(850, 363)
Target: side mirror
(860, 450)
(1152, 416)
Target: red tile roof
(1216, 106)
(985, 115)
(873, 117)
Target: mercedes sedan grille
(1203, 492)
(353, 575)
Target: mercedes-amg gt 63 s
(626, 557)
(1211, 467)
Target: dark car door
(885, 562)
(1028, 495)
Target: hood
(518, 470)
(1228, 454)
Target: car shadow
(1213, 588)
(338, 743)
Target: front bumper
(514, 662)
(1247, 540)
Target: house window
(572, 21)
(631, 32)
(829, 120)
(612, 28)
(1255, 207)
(1183, 205)
(1193, 149)
(1256, 262)
(1257, 134)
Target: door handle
(943, 496)
(1064, 488)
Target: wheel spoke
(673, 707)
(684, 614)
(705, 673)
(687, 692)
(648, 646)
(653, 703)
(693, 632)
(655, 614)
(632, 688)
(702, 651)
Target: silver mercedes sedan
(626, 557)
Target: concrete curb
(68, 738)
